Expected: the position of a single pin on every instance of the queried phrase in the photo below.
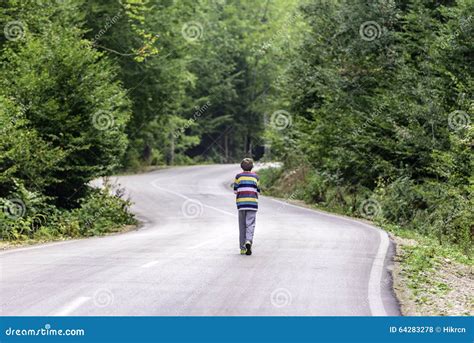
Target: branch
(113, 51)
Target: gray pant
(246, 226)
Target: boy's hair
(246, 164)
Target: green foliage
(384, 114)
(268, 178)
(380, 114)
(21, 148)
(72, 101)
(99, 213)
(63, 114)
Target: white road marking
(375, 294)
(74, 305)
(191, 199)
(39, 246)
(42, 246)
(188, 186)
(376, 305)
(210, 241)
(150, 264)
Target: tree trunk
(226, 147)
(171, 159)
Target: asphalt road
(185, 259)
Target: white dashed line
(154, 183)
(72, 306)
(150, 264)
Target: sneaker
(243, 251)
(248, 245)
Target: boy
(247, 189)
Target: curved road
(185, 259)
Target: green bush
(25, 216)
(268, 178)
(400, 199)
(100, 212)
(316, 188)
(431, 208)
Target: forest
(367, 104)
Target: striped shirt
(247, 188)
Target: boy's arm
(236, 185)
(258, 185)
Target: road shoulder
(428, 284)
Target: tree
(72, 101)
